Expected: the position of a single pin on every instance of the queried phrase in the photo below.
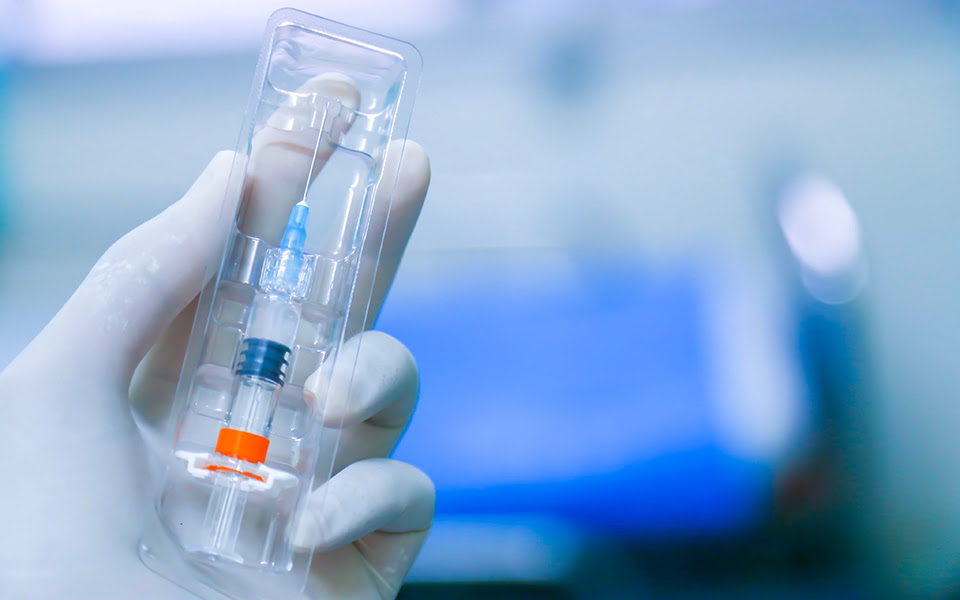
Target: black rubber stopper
(263, 358)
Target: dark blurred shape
(4, 150)
(820, 502)
(573, 66)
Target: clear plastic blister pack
(327, 101)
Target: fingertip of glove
(414, 169)
(335, 85)
(306, 532)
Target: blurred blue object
(572, 386)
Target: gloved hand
(75, 484)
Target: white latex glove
(74, 481)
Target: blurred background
(682, 295)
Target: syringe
(258, 379)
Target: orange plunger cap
(243, 445)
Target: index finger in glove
(286, 155)
(284, 158)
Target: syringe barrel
(274, 317)
(254, 400)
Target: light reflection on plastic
(823, 234)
